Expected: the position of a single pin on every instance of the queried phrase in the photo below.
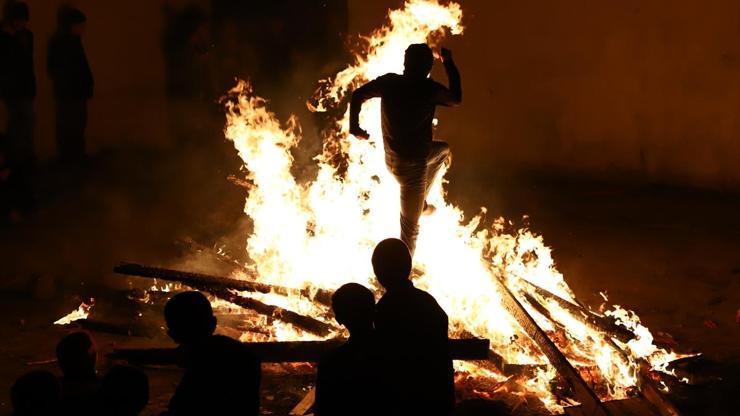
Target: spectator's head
(418, 60)
(17, 15)
(189, 317)
(35, 394)
(392, 263)
(124, 391)
(354, 306)
(77, 355)
(71, 20)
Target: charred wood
(596, 322)
(581, 391)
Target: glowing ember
(82, 312)
(321, 234)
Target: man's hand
(358, 132)
(446, 54)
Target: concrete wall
(649, 90)
(646, 89)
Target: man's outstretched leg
(411, 177)
(438, 155)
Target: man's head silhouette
(189, 317)
(418, 60)
(71, 20)
(392, 263)
(354, 306)
(17, 14)
(77, 355)
(35, 393)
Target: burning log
(305, 404)
(306, 323)
(650, 391)
(596, 322)
(590, 403)
(206, 280)
(222, 287)
(295, 351)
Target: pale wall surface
(650, 89)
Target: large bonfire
(320, 234)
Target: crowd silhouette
(395, 362)
(72, 80)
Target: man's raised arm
(452, 95)
(370, 90)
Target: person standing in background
(17, 92)
(70, 73)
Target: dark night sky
(648, 89)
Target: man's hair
(391, 262)
(17, 10)
(353, 305)
(68, 16)
(77, 355)
(189, 317)
(125, 390)
(418, 60)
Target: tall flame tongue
(321, 234)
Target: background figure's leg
(438, 155)
(412, 180)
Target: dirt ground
(671, 255)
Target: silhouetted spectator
(6, 192)
(190, 82)
(17, 91)
(124, 391)
(73, 83)
(412, 329)
(348, 380)
(408, 103)
(35, 394)
(77, 356)
(222, 376)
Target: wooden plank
(650, 391)
(303, 322)
(191, 279)
(634, 406)
(221, 287)
(305, 404)
(295, 351)
(595, 322)
(590, 404)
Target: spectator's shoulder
(426, 297)
(389, 77)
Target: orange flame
(82, 312)
(321, 234)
